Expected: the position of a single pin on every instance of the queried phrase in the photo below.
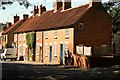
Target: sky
(11, 10)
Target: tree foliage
(30, 41)
(5, 3)
(113, 9)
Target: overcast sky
(7, 14)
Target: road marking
(50, 78)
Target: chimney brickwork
(66, 4)
(4, 28)
(25, 16)
(57, 5)
(9, 24)
(94, 2)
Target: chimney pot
(16, 18)
(36, 10)
(42, 9)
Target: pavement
(41, 64)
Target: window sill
(55, 55)
(66, 37)
(46, 55)
(55, 37)
(46, 38)
(38, 38)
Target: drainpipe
(42, 45)
(17, 48)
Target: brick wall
(22, 47)
(38, 52)
(96, 28)
(51, 41)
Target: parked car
(9, 53)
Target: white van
(9, 53)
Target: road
(20, 71)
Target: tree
(30, 41)
(113, 9)
(5, 3)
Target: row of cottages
(8, 31)
(60, 32)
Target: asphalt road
(20, 71)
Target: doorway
(50, 53)
(61, 54)
(41, 55)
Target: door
(41, 55)
(61, 53)
(50, 54)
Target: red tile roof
(53, 20)
(16, 25)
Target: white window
(20, 37)
(38, 35)
(79, 49)
(66, 33)
(24, 36)
(55, 50)
(15, 38)
(81, 26)
(24, 48)
(20, 49)
(46, 50)
(46, 34)
(55, 34)
(37, 49)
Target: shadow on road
(21, 71)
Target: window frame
(81, 26)
(66, 33)
(55, 34)
(46, 34)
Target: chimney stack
(16, 18)
(94, 2)
(42, 9)
(4, 28)
(36, 10)
(66, 4)
(9, 24)
(57, 5)
(25, 16)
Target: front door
(41, 55)
(50, 54)
(61, 53)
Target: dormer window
(81, 26)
